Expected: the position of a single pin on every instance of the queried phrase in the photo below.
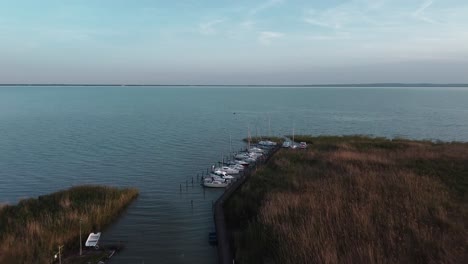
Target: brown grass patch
(357, 200)
(31, 231)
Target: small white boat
(256, 150)
(241, 162)
(255, 154)
(238, 163)
(215, 183)
(227, 169)
(93, 240)
(286, 144)
(267, 143)
(248, 157)
(222, 174)
(303, 145)
(226, 178)
(237, 167)
(242, 156)
(219, 173)
(250, 160)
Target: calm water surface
(156, 138)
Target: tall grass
(355, 200)
(31, 231)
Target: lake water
(156, 138)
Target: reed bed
(32, 230)
(355, 200)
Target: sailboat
(212, 183)
(293, 144)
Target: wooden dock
(225, 250)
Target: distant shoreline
(376, 85)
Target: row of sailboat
(229, 171)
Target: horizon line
(396, 84)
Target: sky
(233, 42)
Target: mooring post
(192, 181)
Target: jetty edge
(33, 230)
(354, 199)
(224, 243)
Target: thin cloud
(336, 17)
(266, 37)
(264, 6)
(420, 12)
(319, 23)
(247, 24)
(339, 36)
(209, 28)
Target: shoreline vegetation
(355, 199)
(32, 230)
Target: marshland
(355, 199)
(32, 230)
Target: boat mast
(293, 131)
(230, 144)
(248, 137)
(269, 125)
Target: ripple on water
(158, 138)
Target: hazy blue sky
(233, 42)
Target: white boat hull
(215, 184)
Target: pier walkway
(225, 252)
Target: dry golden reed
(356, 200)
(31, 231)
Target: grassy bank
(355, 199)
(32, 230)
